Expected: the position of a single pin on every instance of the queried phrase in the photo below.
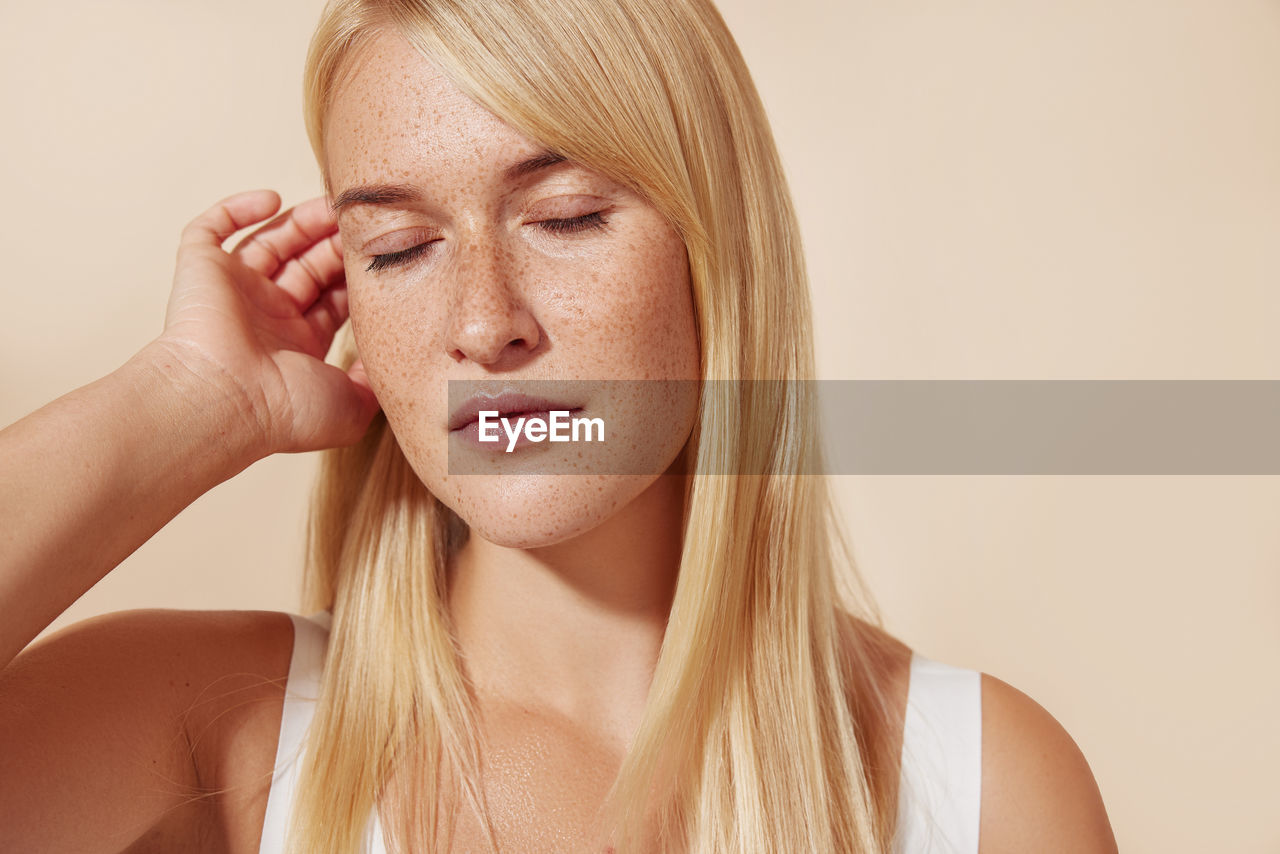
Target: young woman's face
(467, 258)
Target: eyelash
(586, 222)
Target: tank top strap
(940, 792)
(310, 642)
(306, 667)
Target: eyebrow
(539, 161)
(395, 194)
(376, 194)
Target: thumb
(358, 374)
(363, 391)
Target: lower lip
(470, 435)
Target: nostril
(484, 338)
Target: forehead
(396, 118)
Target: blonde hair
(766, 726)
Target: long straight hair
(766, 725)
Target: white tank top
(941, 782)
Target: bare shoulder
(157, 630)
(1038, 793)
(119, 727)
(159, 654)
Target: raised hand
(256, 322)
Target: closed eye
(394, 259)
(595, 220)
(577, 223)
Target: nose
(489, 320)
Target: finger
(336, 410)
(327, 314)
(360, 377)
(288, 235)
(361, 405)
(364, 397)
(228, 216)
(308, 275)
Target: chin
(534, 511)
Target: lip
(507, 403)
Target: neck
(573, 628)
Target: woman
(528, 659)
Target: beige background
(994, 190)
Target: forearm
(88, 478)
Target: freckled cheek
(395, 348)
(638, 314)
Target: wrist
(209, 416)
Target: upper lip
(507, 403)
